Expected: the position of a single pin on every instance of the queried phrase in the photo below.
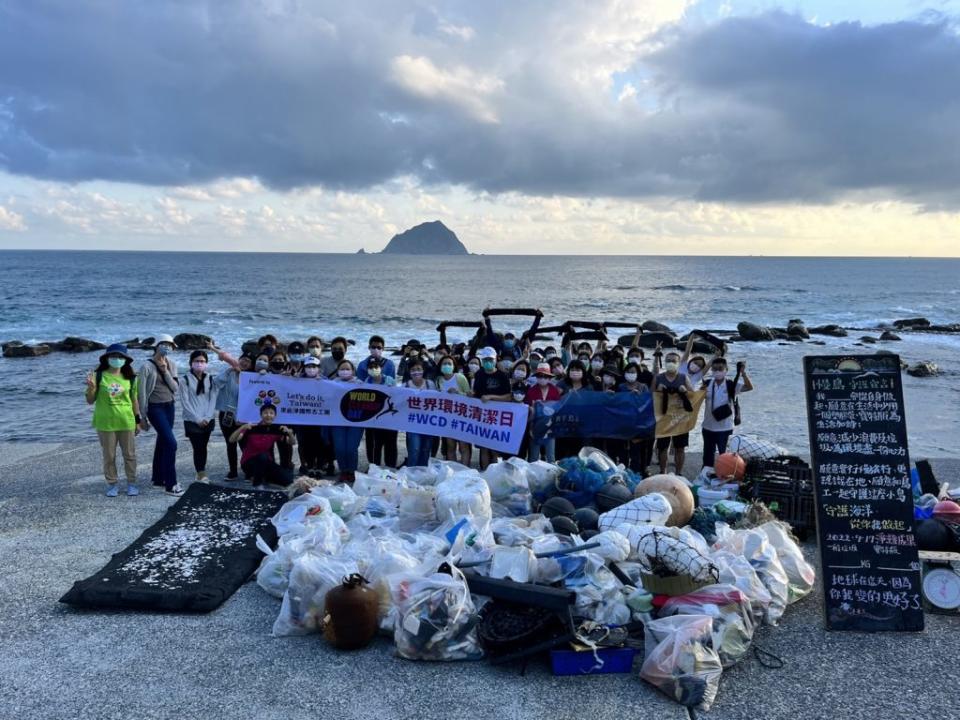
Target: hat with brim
(487, 353)
(116, 349)
(311, 360)
(164, 338)
(543, 370)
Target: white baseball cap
(487, 352)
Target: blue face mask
(489, 365)
(296, 358)
(508, 344)
(116, 363)
(163, 350)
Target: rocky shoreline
(654, 333)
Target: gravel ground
(56, 527)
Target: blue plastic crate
(573, 662)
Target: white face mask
(519, 375)
(607, 380)
(543, 382)
(576, 375)
(374, 372)
(597, 364)
(719, 374)
(199, 366)
(630, 377)
(693, 369)
(635, 359)
(316, 352)
(376, 352)
(551, 356)
(345, 374)
(311, 371)
(671, 366)
(474, 368)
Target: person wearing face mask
(158, 392)
(346, 438)
(575, 382)
(315, 347)
(637, 379)
(278, 363)
(490, 384)
(595, 377)
(672, 380)
(296, 354)
(381, 443)
(376, 347)
(556, 367)
(112, 390)
(695, 368)
(227, 383)
(410, 353)
(720, 407)
(543, 391)
(198, 398)
(473, 369)
(455, 383)
(311, 439)
(267, 344)
(261, 363)
(330, 363)
(520, 380)
(418, 445)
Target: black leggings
(199, 437)
(262, 469)
(312, 445)
(231, 447)
(381, 446)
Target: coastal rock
(755, 333)
(654, 326)
(701, 347)
(430, 238)
(870, 340)
(831, 330)
(192, 341)
(890, 336)
(908, 323)
(10, 343)
(22, 351)
(796, 329)
(951, 328)
(77, 345)
(923, 369)
(818, 342)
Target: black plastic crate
(785, 485)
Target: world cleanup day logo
(366, 404)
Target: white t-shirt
(448, 385)
(717, 397)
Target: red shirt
(259, 439)
(536, 393)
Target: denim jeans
(161, 417)
(419, 448)
(346, 446)
(548, 445)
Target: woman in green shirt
(112, 390)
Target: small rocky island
(429, 238)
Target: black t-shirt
(495, 383)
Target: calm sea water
(234, 297)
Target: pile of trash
(456, 557)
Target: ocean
(111, 296)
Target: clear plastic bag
(520, 531)
(732, 615)
(295, 515)
(680, 659)
(509, 485)
(614, 546)
(311, 578)
(800, 574)
(417, 508)
(754, 546)
(343, 500)
(737, 571)
(273, 575)
(436, 618)
(542, 479)
(380, 483)
(463, 494)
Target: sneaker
(112, 490)
(202, 478)
(132, 490)
(175, 490)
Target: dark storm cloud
(769, 108)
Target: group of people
(493, 367)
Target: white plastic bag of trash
(311, 578)
(311, 516)
(418, 509)
(463, 494)
(680, 660)
(754, 546)
(736, 570)
(436, 618)
(513, 563)
(800, 574)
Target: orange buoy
(730, 465)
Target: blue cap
(117, 349)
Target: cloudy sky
(819, 127)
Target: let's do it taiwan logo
(267, 397)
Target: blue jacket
(389, 369)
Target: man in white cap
(158, 389)
(490, 384)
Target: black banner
(861, 471)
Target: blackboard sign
(861, 472)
